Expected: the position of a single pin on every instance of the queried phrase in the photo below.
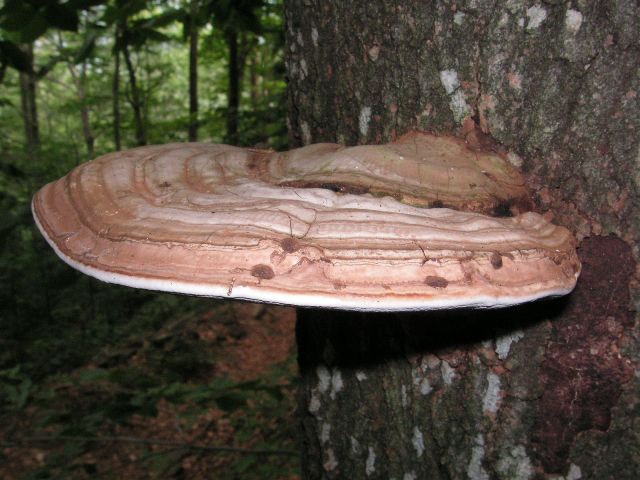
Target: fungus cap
(222, 221)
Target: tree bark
(193, 72)
(547, 390)
(29, 103)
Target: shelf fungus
(412, 225)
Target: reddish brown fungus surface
(583, 371)
(288, 227)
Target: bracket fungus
(319, 226)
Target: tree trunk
(85, 116)
(115, 92)
(254, 81)
(193, 72)
(546, 390)
(234, 88)
(29, 104)
(135, 99)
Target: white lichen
(304, 71)
(515, 159)
(324, 378)
(363, 120)
(459, 106)
(314, 36)
(355, 445)
(574, 472)
(418, 441)
(475, 471)
(409, 476)
(573, 21)
(292, 68)
(306, 133)
(374, 52)
(458, 18)
(314, 402)
(336, 383)
(403, 396)
(329, 381)
(457, 99)
(420, 381)
(449, 79)
(325, 432)
(503, 343)
(370, 463)
(448, 373)
(491, 400)
(425, 387)
(361, 376)
(515, 464)
(535, 16)
(330, 463)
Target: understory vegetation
(102, 381)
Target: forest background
(99, 381)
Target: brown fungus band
(323, 225)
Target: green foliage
(83, 359)
(15, 389)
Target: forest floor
(107, 420)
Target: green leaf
(93, 375)
(87, 47)
(230, 402)
(245, 463)
(122, 10)
(275, 392)
(61, 16)
(84, 4)
(15, 15)
(23, 392)
(161, 20)
(34, 28)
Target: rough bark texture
(543, 391)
